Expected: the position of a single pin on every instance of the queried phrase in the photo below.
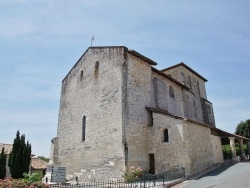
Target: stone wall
(106, 94)
(217, 149)
(93, 88)
(139, 96)
(161, 93)
(189, 79)
(148, 88)
(189, 145)
(196, 85)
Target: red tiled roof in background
(37, 163)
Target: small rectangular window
(165, 135)
(96, 69)
(81, 75)
(171, 92)
(83, 127)
(190, 82)
(151, 164)
(150, 119)
(198, 87)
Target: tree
(3, 159)
(19, 159)
(243, 128)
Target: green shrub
(31, 178)
(226, 149)
(227, 152)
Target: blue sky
(41, 40)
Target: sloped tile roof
(37, 163)
(7, 148)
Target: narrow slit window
(183, 79)
(96, 73)
(81, 75)
(190, 83)
(171, 91)
(165, 135)
(198, 86)
(83, 128)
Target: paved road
(228, 176)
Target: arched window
(171, 91)
(83, 127)
(165, 135)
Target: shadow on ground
(221, 169)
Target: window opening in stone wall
(126, 156)
(165, 135)
(195, 110)
(96, 73)
(183, 79)
(171, 91)
(151, 164)
(190, 83)
(83, 128)
(150, 121)
(81, 75)
(156, 91)
(186, 105)
(198, 87)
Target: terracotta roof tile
(7, 148)
(37, 163)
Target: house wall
(181, 74)
(217, 149)
(204, 110)
(98, 96)
(161, 95)
(120, 131)
(139, 95)
(189, 144)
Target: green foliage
(237, 148)
(3, 159)
(246, 149)
(44, 158)
(19, 159)
(32, 178)
(227, 152)
(243, 128)
(18, 183)
(133, 175)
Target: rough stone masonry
(118, 111)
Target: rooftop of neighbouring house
(37, 163)
(7, 148)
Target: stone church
(118, 111)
